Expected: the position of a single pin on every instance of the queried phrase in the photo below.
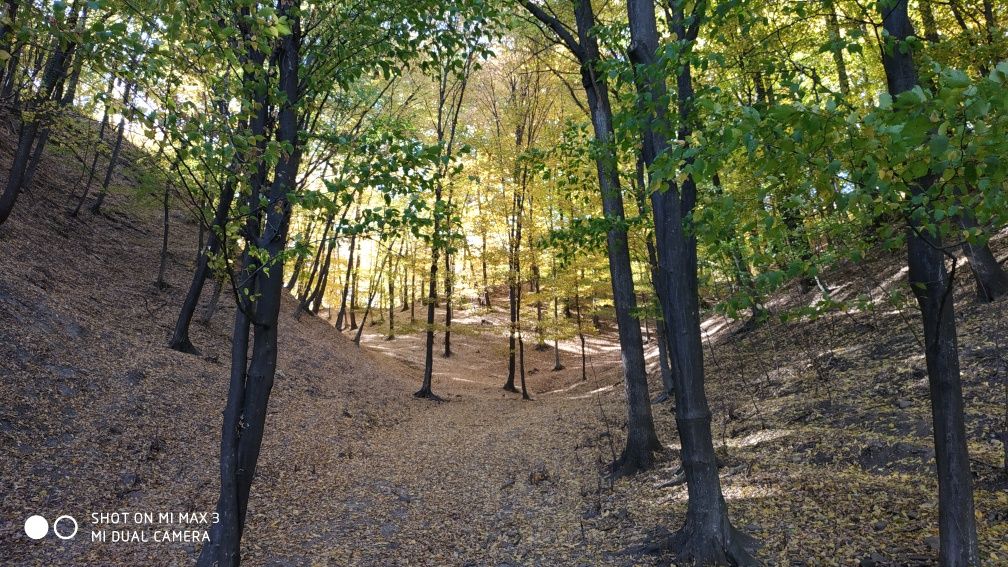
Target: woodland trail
(484, 478)
(813, 422)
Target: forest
(503, 282)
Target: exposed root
(631, 462)
(727, 546)
(185, 346)
(678, 478)
(428, 395)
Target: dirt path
(485, 479)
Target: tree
(931, 285)
(641, 438)
(452, 67)
(708, 536)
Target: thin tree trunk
(164, 239)
(299, 261)
(341, 317)
(991, 279)
(114, 157)
(584, 357)
(932, 286)
(833, 25)
(425, 390)
(641, 437)
(251, 382)
(28, 132)
(180, 340)
(211, 306)
(449, 269)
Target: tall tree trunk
(932, 286)
(55, 70)
(316, 265)
(928, 19)
(341, 317)
(116, 148)
(164, 239)
(449, 275)
(707, 536)
(211, 306)
(252, 379)
(180, 340)
(299, 261)
(836, 48)
(426, 390)
(352, 308)
(98, 144)
(581, 336)
(641, 437)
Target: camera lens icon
(36, 527)
(61, 533)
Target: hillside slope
(97, 415)
(822, 426)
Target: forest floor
(823, 426)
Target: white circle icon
(36, 527)
(60, 519)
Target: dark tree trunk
(391, 309)
(991, 279)
(521, 358)
(707, 536)
(211, 306)
(352, 308)
(372, 292)
(98, 144)
(425, 390)
(932, 286)
(55, 70)
(486, 285)
(449, 269)
(66, 98)
(315, 300)
(514, 292)
(299, 261)
(928, 19)
(833, 25)
(164, 240)
(584, 357)
(304, 295)
(252, 380)
(180, 336)
(413, 287)
(10, 16)
(114, 157)
(641, 437)
(668, 381)
(347, 285)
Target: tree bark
(252, 380)
(932, 287)
(55, 70)
(641, 437)
(707, 536)
(990, 278)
